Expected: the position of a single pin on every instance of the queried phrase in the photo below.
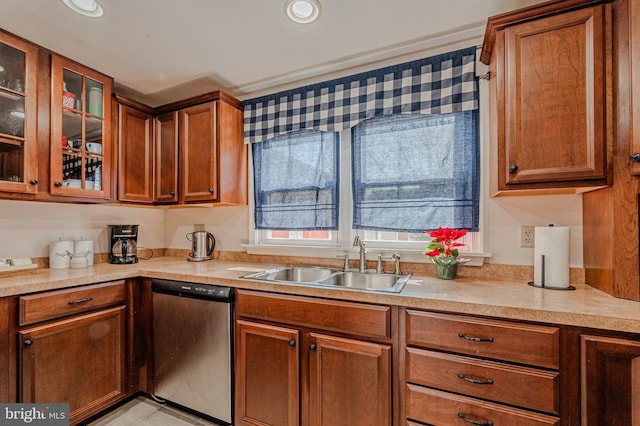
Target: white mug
(60, 254)
(84, 248)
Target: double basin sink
(337, 278)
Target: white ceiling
(160, 51)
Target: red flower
(443, 243)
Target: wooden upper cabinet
(634, 75)
(18, 111)
(81, 133)
(190, 151)
(166, 158)
(213, 157)
(198, 154)
(135, 154)
(552, 119)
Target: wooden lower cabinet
(349, 381)
(268, 374)
(610, 370)
(288, 374)
(460, 370)
(447, 409)
(79, 360)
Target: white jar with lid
(60, 254)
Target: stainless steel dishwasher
(192, 337)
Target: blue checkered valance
(435, 85)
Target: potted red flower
(444, 253)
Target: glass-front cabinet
(80, 131)
(18, 106)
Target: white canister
(60, 254)
(84, 248)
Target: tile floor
(143, 411)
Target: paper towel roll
(552, 242)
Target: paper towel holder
(542, 283)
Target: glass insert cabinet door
(80, 131)
(18, 92)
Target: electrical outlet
(527, 236)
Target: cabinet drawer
(446, 409)
(59, 303)
(509, 384)
(503, 340)
(322, 314)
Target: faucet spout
(357, 242)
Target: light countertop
(585, 306)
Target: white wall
(505, 215)
(229, 225)
(27, 227)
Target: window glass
(296, 182)
(413, 173)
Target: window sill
(414, 256)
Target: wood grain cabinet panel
(446, 409)
(634, 75)
(610, 370)
(166, 158)
(18, 137)
(289, 371)
(79, 360)
(521, 386)
(267, 375)
(460, 369)
(135, 155)
(349, 382)
(81, 163)
(58, 303)
(551, 74)
(503, 340)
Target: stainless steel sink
(300, 274)
(328, 277)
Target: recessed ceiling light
(85, 7)
(302, 11)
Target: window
(408, 155)
(296, 182)
(413, 173)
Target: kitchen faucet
(357, 242)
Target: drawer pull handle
(475, 381)
(475, 422)
(476, 339)
(86, 299)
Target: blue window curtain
(296, 182)
(413, 173)
(435, 85)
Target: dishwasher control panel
(193, 290)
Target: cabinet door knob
(635, 157)
(33, 181)
(172, 193)
(28, 343)
(292, 343)
(513, 168)
(313, 347)
(210, 190)
(57, 184)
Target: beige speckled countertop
(586, 306)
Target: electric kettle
(202, 244)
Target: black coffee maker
(124, 243)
